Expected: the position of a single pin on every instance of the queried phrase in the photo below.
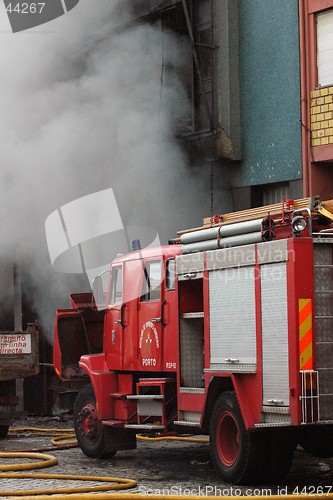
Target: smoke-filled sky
(87, 106)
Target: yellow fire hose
(64, 437)
(56, 434)
(121, 484)
(46, 460)
(113, 483)
(172, 438)
(135, 496)
(84, 493)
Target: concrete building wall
(269, 93)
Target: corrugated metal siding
(274, 194)
(275, 333)
(232, 315)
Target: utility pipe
(227, 230)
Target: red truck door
(151, 315)
(114, 321)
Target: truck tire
(3, 431)
(89, 431)
(236, 454)
(279, 453)
(318, 442)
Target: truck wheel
(3, 431)
(318, 442)
(236, 454)
(88, 428)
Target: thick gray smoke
(86, 106)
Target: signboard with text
(15, 343)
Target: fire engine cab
(228, 331)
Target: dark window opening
(174, 19)
(116, 296)
(151, 283)
(170, 274)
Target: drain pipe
(304, 83)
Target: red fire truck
(228, 332)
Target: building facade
(259, 78)
(316, 55)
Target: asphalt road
(168, 467)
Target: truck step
(273, 424)
(113, 423)
(118, 395)
(186, 423)
(145, 427)
(157, 379)
(146, 397)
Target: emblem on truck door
(145, 334)
(149, 342)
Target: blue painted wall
(270, 92)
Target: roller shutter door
(325, 47)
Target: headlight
(299, 223)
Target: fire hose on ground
(63, 438)
(66, 436)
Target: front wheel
(89, 430)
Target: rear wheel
(246, 457)
(234, 451)
(3, 431)
(89, 430)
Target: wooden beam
(312, 203)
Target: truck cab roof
(166, 251)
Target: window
(151, 283)
(116, 296)
(170, 274)
(325, 47)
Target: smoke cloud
(87, 104)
